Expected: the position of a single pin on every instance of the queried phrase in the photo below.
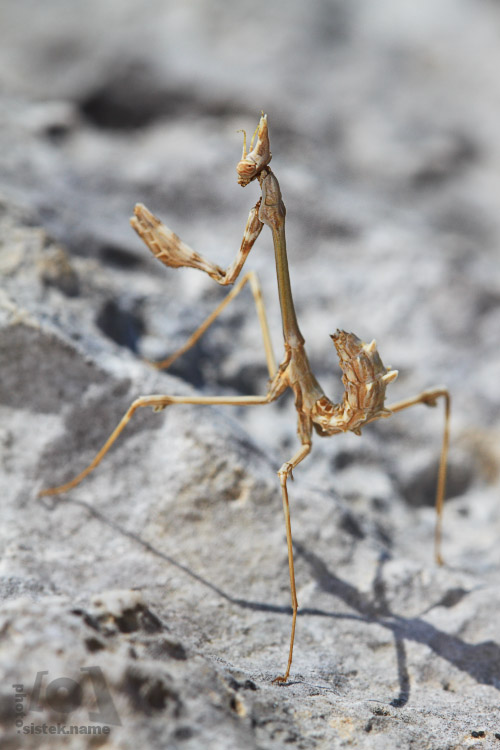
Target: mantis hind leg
(284, 473)
(430, 398)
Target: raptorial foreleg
(173, 252)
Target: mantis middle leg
(251, 279)
(158, 403)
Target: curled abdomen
(365, 379)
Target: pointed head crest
(259, 156)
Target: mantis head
(252, 163)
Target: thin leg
(284, 473)
(157, 402)
(252, 279)
(430, 399)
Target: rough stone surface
(165, 572)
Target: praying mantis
(365, 378)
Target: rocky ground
(153, 599)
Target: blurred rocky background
(166, 570)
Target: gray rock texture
(153, 600)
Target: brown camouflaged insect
(364, 376)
